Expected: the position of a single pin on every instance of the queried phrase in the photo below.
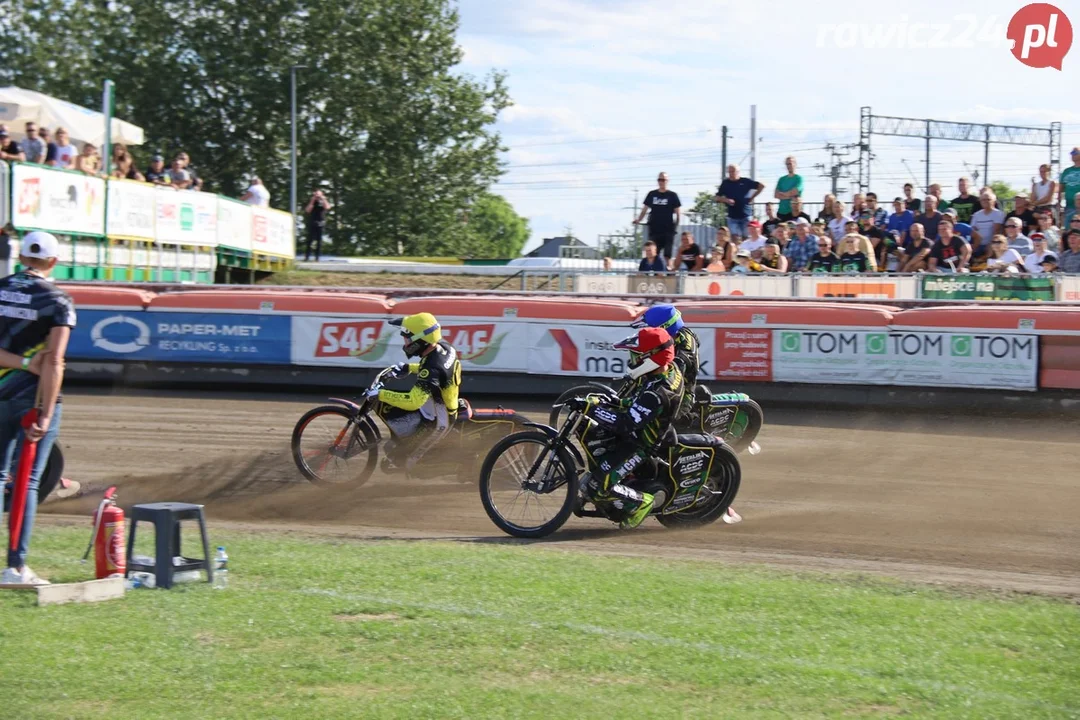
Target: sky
(608, 94)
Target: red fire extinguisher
(108, 537)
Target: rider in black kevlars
(670, 319)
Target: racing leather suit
(429, 409)
(627, 433)
(686, 357)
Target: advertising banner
(870, 287)
(57, 201)
(723, 284)
(272, 232)
(181, 337)
(601, 284)
(185, 216)
(919, 359)
(130, 210)
(1068, 288)
(649, 284)
(588, 350)
(234, 224)
(975, 287)
(742, 354)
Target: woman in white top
(1002, 257)
(1043, 189)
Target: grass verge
(324, 628)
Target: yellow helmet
(419, 330)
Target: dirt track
(956, 500)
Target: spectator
(1049, 263)
(772, 261)
(743, 263)
(1033, 261)
(916, 250)
(851, 227)
(34, 148)
(858, 204)
(36, 318)
(839, 221)
(50, 146)
(1070, 259)
(1018, 241)
(962, 229)
(664, 209)
(913, 203)
(950, 253)
(881, 215)
(819, 228)
(788, 188)
(1069, 187)
(738, 194)
(929, 217)
(649, 264)
(754, 241)
(1045, 220)
(1074, 224)
(157, 173)
(964, 204)
(185, 162)
(1002, 258)
(118, 151)
(179, 178)
(780, 235)
(88, 161)
(878, 239)
(853, 259)
(256, 194)
(801, 247)
(9, 149)
(724, 250)
(1023, 211)
(771, 222)
(900, 220)
(987, 222)
(124, 168)
(935, 190)
(605, 264)
(689, 255)
(316, 210)
(825, 261)
(826, 213)
(1043, 190)
(65, 151)
(796, 211)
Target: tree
(494, 229)
(403, 141)
(710, 211)
(1003, 190)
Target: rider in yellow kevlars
(428, 411)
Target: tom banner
(181, 337)
(972, 287)
(918, 359)
(56, 200)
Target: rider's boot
(635, 505)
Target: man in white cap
(36, 319)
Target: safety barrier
(1017, 348)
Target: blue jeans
(11, 436)
(737, 226)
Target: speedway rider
(669, 318)
(429, 409)
(632, 426)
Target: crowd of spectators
(40, 148)
(970, 233)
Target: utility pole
(292, 169)
(723, 152)
(753, 142)
(838, 167)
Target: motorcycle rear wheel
(331, 446)
(755, 419)
(724, 478)
(516, 509)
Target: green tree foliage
(1003, 190)
(401, 141)
(494, 230)
(711, 212)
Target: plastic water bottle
(139, 580)
(221, 569)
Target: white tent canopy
(18, 107)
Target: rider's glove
(372, 394)
(399, 370)
(577, 404)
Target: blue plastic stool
(166, 517)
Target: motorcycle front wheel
(527, 488)
(331, 446)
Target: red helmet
(651, 349)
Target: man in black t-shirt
(915, 250)
(825, 261)
(950, 253)
(36, 319)
(1025, 213)
(9, 149)
(964, 204)
(663, 207)
(316, 210)
(689, 255)
(738, 194)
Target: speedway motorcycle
(341, 442)
(532, 481)
(732, 417)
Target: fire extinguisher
(108, 537)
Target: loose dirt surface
(954, 500)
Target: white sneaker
(12, 576)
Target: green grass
(323, 628)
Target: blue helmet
(667, 317)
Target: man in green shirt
(788, 187)
(1070, 186)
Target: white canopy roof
(18, 106)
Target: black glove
(399, 370)
(577, 404)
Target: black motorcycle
(531, 481)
